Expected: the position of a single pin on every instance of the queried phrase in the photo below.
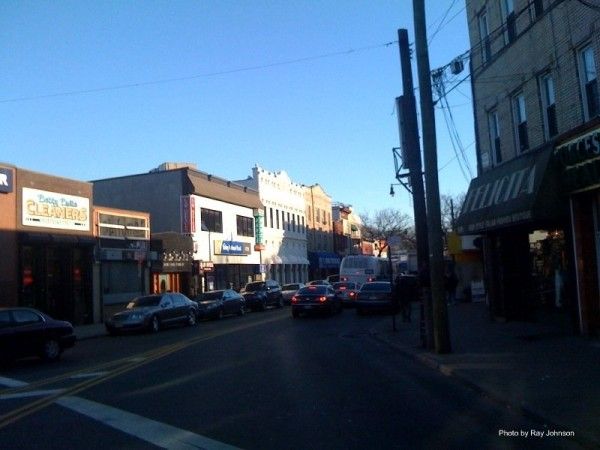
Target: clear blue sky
(97, 89)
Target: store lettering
(504, 189)
(51, 207)
(3, 179)
(580, 150)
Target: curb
(582, 438)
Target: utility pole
(434, 222)
(411, 158)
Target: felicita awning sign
(510, 194)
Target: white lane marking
(11, 383)
(31, 394)
(159, 434)
(88, 375)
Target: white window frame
(548, 97)
(519, 108)
(484, 36)
(507, 8)
(494, 132)
(587, 73)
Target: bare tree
(450, 209)
(386, 223)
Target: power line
(199, 76)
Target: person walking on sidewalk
(450, 283)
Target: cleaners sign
(52, 210)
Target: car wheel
(154, 324)
(220, 314)
(242, 310)
(191, 320)
(51, 350)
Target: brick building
(536, 199)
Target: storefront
(522, 215)
(579, 158)
(323, 264)
(171, 266)
(52, 249)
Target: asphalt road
(263, 381)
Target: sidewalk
(539, 369)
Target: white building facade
(284, 225)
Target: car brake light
(294, 299)
(343, 288)
(352, 294)
(322, 299)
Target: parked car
(28, 332)
(260, 294)
(288, 291)
(346, 291)
(315, 298)
(333, 278)
(318, 283)
(216, 304)
(374, 296)
(153, 312)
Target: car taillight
(371, 279)
(322, 299)
(294, 299)
(343, 288)
(352, 294)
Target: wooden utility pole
(411, 155)
(434, 222)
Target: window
(510, 31)
(538, 8)
(25, 317)
(114, 226)
(211, 220)
(271, 216)
(520, 117)
(484, 35)
(589, 83)
(289, 223)
(294, 222)
(549, 106)
(265, 218)
(303, 228)
(277, 217)
(495, 137)
(245, 226)
(318, 215)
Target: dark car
(374, 296)
(216, 304)
(28, 332)
(260, 294)
(289, 290)
(346, 292)
(318, 283)
(152, 312)
(315, 298)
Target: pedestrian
(450, 284)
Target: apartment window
(245, 226)
(538, 8)
(289, 222)
(510, 30)
(265, 216)
(303, 227)
(271, 216)
(589, 83)
(294, 222)
(520, 118)
(484, 35)
(549, 106)
(494, 125)
(277, 217)
(211, 220)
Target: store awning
(324, 260)
(523, 190)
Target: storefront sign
(258, 226)
(510, 194)
(188, 214)
(232, 248)
(53, 210)
(6, 180)
(580, 158)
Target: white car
(288, 291)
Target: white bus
(363, 268)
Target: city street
(260, 381)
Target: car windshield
(255, 286)
(290, 287)
(149, 300)
(315, 289)
(214, 295)
(382, 287)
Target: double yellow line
(129, 363)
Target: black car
(28, 332)
(346, 291)
(260, 294)
(216, 304)
(153, 312)
(375, 296)
(316, 298)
